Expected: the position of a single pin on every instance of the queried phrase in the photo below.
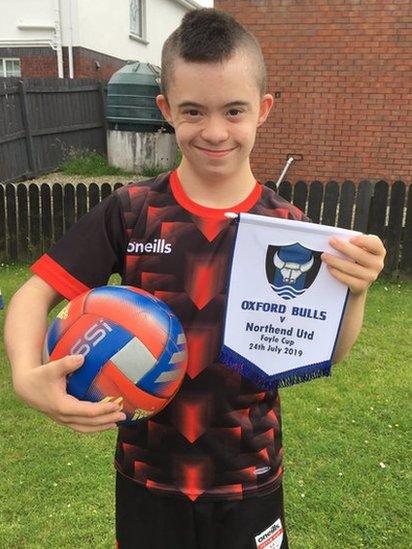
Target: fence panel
(46, 218)
(300, 195)
(42, 119)
(81, 200)
(69, 206)
(58, 222)
(377, 210)
(330, 203)
(34, 214)
(406, 261)
(394, 231)
(285, 190)
(22, 220)
(315, 201)
(3, 231)
(363, 199)
(347, 201)
(11, 213)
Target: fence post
(103, 111)
(27, 127)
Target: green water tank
(131, 104)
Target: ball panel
(166, 377)
(53, 335)
(71, 312)
(136, 403)
(97, 339)
(134, 360)
(64, 319)
(135, 312)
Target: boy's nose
(215, 132)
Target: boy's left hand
(366, 255)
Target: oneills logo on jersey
(290, 270)
(157, 246)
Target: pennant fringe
(284, 379)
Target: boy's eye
(234, 112)
(191, 112)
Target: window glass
(136, 17)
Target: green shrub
(88, 163)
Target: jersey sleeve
(90, 251)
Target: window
(10, 67)
(137, 18)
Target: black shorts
(145, 520)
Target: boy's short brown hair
(210, 36)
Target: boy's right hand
(44, 388)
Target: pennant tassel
(268, 382)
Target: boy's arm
(366, 255)
(44, 386)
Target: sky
(205, 3)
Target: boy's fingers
(355, 252)
(370, 242)
(105, 419)
(66, 365)
(349, 268)
(355, 285)
(74, 407)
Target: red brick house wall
(342, 72)
(34, 62)
(42, 62)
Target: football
(133, 345)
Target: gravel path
(58, 177)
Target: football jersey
(220, 436)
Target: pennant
(284, 309)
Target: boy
(206, 472)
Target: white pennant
(284, 308)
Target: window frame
(3, 72)
(132, 34)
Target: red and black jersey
(220, 437)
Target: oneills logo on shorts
(158, 246)
(271, 538)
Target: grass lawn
(346, 444)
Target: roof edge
(191, 4)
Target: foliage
(88, 163)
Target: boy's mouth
(215, 152)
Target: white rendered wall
(38, 12)
(104, 27)
(101, 25)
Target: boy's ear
(266, 104)
(163, 105)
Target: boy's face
(215, 109)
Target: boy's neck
(213, 191)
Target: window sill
(138, 38)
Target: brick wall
(85, 64)
(42, 62)
(34, 62)
(342, 71)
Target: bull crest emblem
(290, 270)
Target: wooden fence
(34, 216)
(43, 119)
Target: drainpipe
(70, 41)
(58, 37)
